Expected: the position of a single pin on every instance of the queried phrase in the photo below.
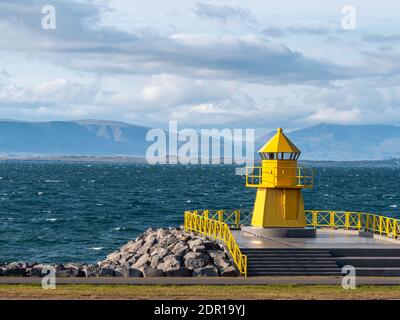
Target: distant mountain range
(84, 137)
(344, 142)
(110, 138)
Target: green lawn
(91, 291)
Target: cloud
(378, 38)
(223, 13)
(279, 32)
(84, 46)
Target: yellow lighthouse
(279, 201)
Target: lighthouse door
(290, 200)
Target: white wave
(51, 219)
(96, 248)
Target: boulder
(155, 261)
(159, 252)
(143, 261)
(135, 273)
(121, 272)
(208, 271)
(145, 248)
(149, 272)
(40, 270)
(106, 272)
(221, 263)
(171, 263)
(15, 269)
(216, 254)
(114, 257)
(229, 271)
(194, 260)
(200, 248)
(180, 248)
(194, 243)
(178, 272)
(132, 246)
(91, 270)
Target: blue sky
(256, 64)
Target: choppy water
(60, 211)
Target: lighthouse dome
(279, 147)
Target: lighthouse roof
(279, 143)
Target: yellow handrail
(218, 230)
(216, 224)
(373, 223)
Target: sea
(55, 211)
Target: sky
(223, 64)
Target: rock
(132, 247)
(179, 272)
(213, 245)
(133, 260)
(199, 248)
(135, 272)
(143, 261)
(151, 239)
(171, 263)
(194, 260)
(15, 269)
(145, 248)
(107, 272)
(208, 271)
(221, 263)
(114, 257)
(229, 271)
(40, 270)
(195, 243)
(91, 270)
(149, 272)
(155, 261)
(216, 254)
(121, 272)
(159, 252)
(180, 248)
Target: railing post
(314, 218)
(347, 219)
(237, 218)
(332, 219)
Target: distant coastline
(142, 160)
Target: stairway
(290, 262)
(383, 262)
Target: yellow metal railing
(217, 224)
(373, 223)
(201, 222)
(280, 177)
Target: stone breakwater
(165, 252)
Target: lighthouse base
(279, 232)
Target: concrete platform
(325, 239)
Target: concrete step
(294, 265)
(296, 269)
(294, 273)
(378, 272)
(369, 262)
(365, 252)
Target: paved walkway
(328, 280)
(326, 238)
